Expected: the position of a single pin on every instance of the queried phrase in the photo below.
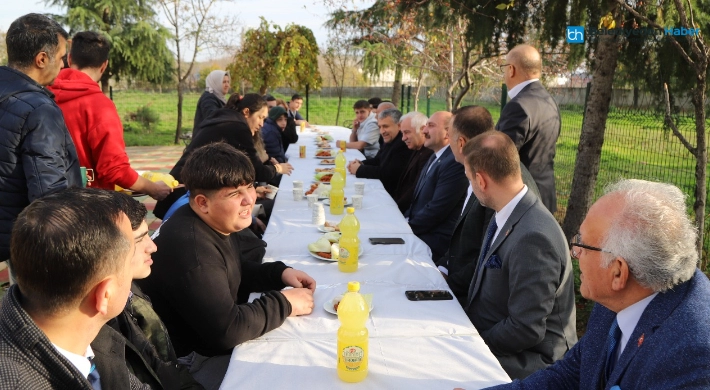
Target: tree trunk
(418, 89)
(178, 130)
(340, 101)
(397, 85)
(591, 140)
(262, 90)
(637, 92)
(104, 82)
(701, 161)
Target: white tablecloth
(413, 345)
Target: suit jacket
(28, 360)
(466, 242)
(521, 300)
(668, 349)
(437, 203)
(387, 165)
(532, 120)
(405, 188)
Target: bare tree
(337, 56)
(195, 27)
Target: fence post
(409, 95)
(428, 102)
(307, 100)
(110, 92)
(586, 97)
(503, 96)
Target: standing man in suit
(649, 328)
(389, 163)
(521, 297)
(458, 263)
(411, 126)
(531, 119)
(440, 190)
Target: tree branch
(669, 122)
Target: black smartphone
(386, 241)
(428, 295)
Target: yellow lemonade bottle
(340, 166)
(164, 177)
(349, 242)
(337, 203)
(352, 335)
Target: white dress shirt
(504, 213)
(438, 155)
(628, 319)
(516, 89)
(80, 362)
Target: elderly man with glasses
(649, 328)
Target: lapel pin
(641, 340)
(507, 232)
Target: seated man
(521, 298)
(637, 254)
(199, 285)
(149, 353)
(440, 190)
(83, 244)
(389, 163)
(293, 106)
(92, 118)
(365, 130)
(274, 125)
(411, 125)
(458, 263)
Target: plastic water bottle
(337, 194)
(352, 335)
(164, 177)
(340, 166)
(349, 242)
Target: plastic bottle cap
(353, 286)
(351, 210)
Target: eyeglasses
(502, 67)
(577, 242)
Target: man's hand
(159, 190)
(301, 300)
(295, 278)
(356, 125)
(261, 191)
(353, 166)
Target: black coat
(388, 165)
(289, 135)
(224, 125)
(37, 154)
(207, 104)
(532, 120)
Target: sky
(308, 13)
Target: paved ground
(143, 158)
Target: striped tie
(612, 342)
(94, 377)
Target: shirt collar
(629, 318)
(516, 89)
(440, 152)
(81, 363)
(504, 213)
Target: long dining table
(413, 345)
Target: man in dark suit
(411, 126)
(521, 297)
(531, 119)
(82, 241)
(440, 190)
(649, 328)
(458, 263)
(389, 163)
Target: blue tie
(423, 173)
(492, 227)
(612, 342)
(94, 378)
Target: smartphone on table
(428, 295)
(386, 240)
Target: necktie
(424, 172)
(612, 342)
(94, 378)
(492, 227)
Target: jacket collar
(12, 82)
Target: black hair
(374, 102)
(269, 98)
(89, 49)
(252, 101)
(473, 120)
(215, 166)
(65, 241)
(30, 35)
(296, 97)
(134, 210)
(361, 104)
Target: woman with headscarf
(216, 87)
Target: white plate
(327, 162)
(326, 202)
(330, 305)
(321, 228)
(326, 158)
(331, 260)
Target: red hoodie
(95, 128)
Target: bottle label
(352, 357)
(344, 254)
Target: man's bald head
(384, 106)
(527, 61)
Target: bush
(145, 116)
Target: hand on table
(284, 168)
(353, 166)
(295, 278)
(301, 300)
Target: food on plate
(328, 162)
(332, 236)
(335, 306)
(324, 177)
(324, 153)
(313, 188)
(324, 248)
(331, 225)
(324, 137)
(327, 170)
(324, 144)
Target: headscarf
(213, 83)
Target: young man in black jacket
(198, 285)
